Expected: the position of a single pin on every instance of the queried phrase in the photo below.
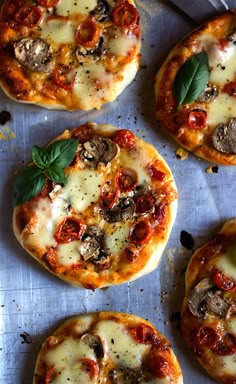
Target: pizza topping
(156, 173)
(108, 195)
(124, 210)
(69, 230)
(125, 15)
(197, 119)
(224, 137)
(34, 54)
(125, 376)
(48, 3)
(94, 342)
(145, 334)
(140, 232)
(205, 298)
(145, 203)
(92, 246)
(192, 78)
(209, 94)
(101, 11)
(226, 346)
(98, 150)
(86, 55)
(126, 179)
(29, 15)
(223, 282)
(230, 88)
(208, 336)
(90, 366)
(88, 34)
(124, 138)
(64, 77)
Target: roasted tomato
(90, 366)
(124, 138)
(29, 15)
(48, 3)
(125, 15)
(145, 203)
(69, 230)
(126, 179)
(140, 232)
(197, 119)
(155, 173)
(159, 364)
(144, 334)
(64, 77)
(223, 282)
(230, 88)
(88, 34)
(208, 336)
(108, 195)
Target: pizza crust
(208, 305)
(98, 339)
(35, 222)
(221, 110)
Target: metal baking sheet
(33, 302)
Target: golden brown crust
(156, 350)
(174, 119)
(211, 281)
(103, 75)
(125, 258)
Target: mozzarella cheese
(68, 253)
(70, 7)
(59, 31)
(227, 264)
(221, 110)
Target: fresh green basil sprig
(192, 78)
(49, 162)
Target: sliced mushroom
(34, 54)
(224, 137)
(124, 210)
(206, 298)
(92, 243)
(102, 11)
(98, 150)
(125, 376)
(232, 37)
(209, 94)
(88, 55)
(94, 342)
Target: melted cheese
(59, 31)
(68, 7)
(68, 253)
(121, 44)
(226, 365)
(136, 161)
(116, 241)
(119, 345)
(82, 189)
(221, 110)
(66, 359)
(93, 84)
(227, 264)
(231, 325)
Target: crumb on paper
(7, 134)
(164, 296)
(181, 153)
(212, 169)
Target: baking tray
(33, 302)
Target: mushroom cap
(224, 137)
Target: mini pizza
(96, 207)
(107, 347)
(209, 307)
(196, 91)
(67, 54)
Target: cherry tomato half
(223, 282)
(126, 179)
(226, 346)
(83, 133)
(90, 366)
(69, 230)
(230, 88)
(155, 173)
(124, 138)
(88, 34)
(208, 336)
(49, 374)
(159, 213)
(144, 203)
(144, 334)
(48, 3)
(125, 15)
(29, 15)
(197, 119)
(140, 232)
(108, 195)
(64, 77)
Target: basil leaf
(28, 184)
(192, 78)
(40, 157)
(62, 152)
(56, 174)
